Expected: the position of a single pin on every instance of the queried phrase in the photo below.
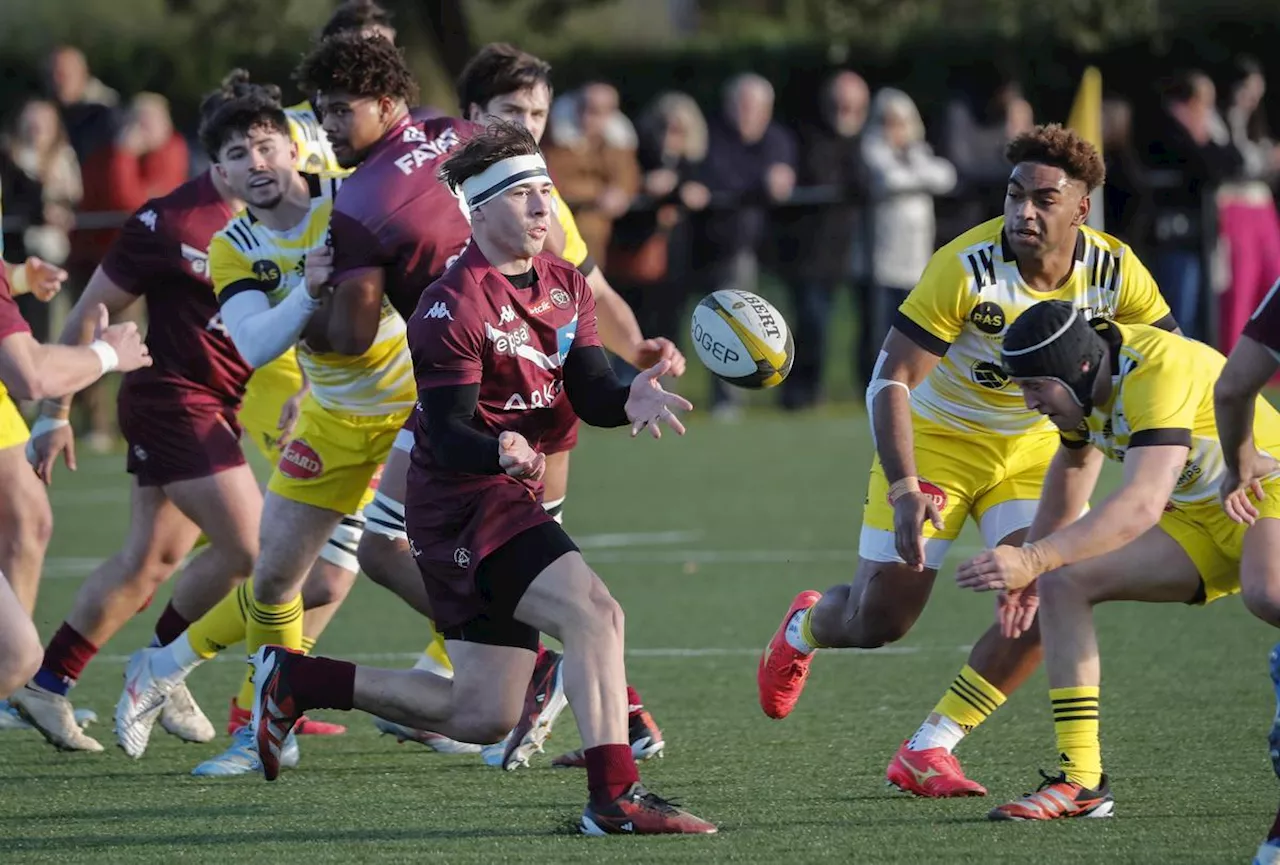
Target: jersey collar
(1006, 249)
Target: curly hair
(237, 107)
(499, 69)
(355, 16)
(1059, 147)
(359, 65)
(501, 140)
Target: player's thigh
(555, 481)
(291, 537)
(489, 684)
(1156, 567)
(24, 503)
(567, 596)
(20, 649)
(227, 506)
(160, 534)
(1259, 568)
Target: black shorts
(502, 578)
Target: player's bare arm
(51, 434)
(1250, 366)
(32, 370)
(903, 365)
(1068, 483)
(355, 309)
(1150, 475)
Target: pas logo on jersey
(300, 462)
(148, 218)
(988, 317)
(438, 310)
(268, 273)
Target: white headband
(1075, 313)
(501, 176)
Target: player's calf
(28, 526)
(20, 649)
(878, 608)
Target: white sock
(431, 665)
(944, 734)
(795, 636)
(175, 661)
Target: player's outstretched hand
(1005, 567)
(44, 279)
(318, 268)
(1235, 488)
(1016, 610)
(51, 436)
(518, 459)
(910, 510)
(650, 352)
(131, 351)
(650, 406)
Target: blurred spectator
(86, 103)
(596, 174)
(1189, 159)
(650, 243)
(750, 164)
(1126, 210)
(1246, 206)
(976, 149)
(904, 177)
(824, 246)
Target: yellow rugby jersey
(315, 156)
(575, 248)
(1162, 394)
(969, 295)
(248, 256)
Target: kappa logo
(148, 218)
(139, 454)
(561, 298)
(462, 557)
(300, 462)
(438, 310)
(506, 315)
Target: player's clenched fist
(124, 339)
(318, 267)
(518, 459)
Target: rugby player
(498, 569)
(32, 371)
(953, 440)
(270, 268)
(1253, 362)
(502, 83)
(1145, 398)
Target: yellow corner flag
(1086, 121)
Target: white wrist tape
(42, 426)
(106, 354)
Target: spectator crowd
(681, 199)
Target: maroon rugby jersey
(1264, 325)
(393, 212)
(472, 326)
(162, 254)
(11, 320)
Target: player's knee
(596, 614)
(1263, 601)
(32, 522)
(1064, 586)
(326, 584)
(489, 724)
(372, 553)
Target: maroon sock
(542, 651)
(322, 683)
(64, 660)
(611, 770)
(1275, 829)
(170, 625)
(634, 703)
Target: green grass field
(738, 518)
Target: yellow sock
(274, 624)
(806, 632)
(1075, 720)
(434, 657)
(222, 626)
(970, 700)
(308, 644)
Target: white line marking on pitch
(634, 539)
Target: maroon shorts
(172, 440)
(453, 526)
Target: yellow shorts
(268, 389)
(13, 429)
(995, 479)
(1213, 541)
(334, 460)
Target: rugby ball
(742, 339)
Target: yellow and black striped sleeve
(231, 263)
